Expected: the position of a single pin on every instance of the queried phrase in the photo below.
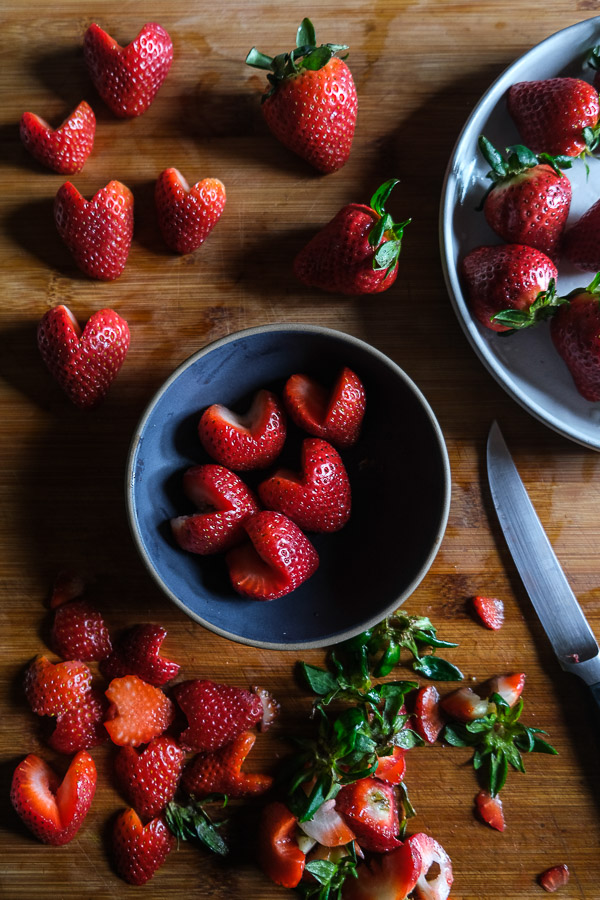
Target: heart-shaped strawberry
(149, 777)
(84, 364)
(317, 499)
(98, 232)
(243, 441)
(140, 850)
(187, 215)
(64, 149)
(128, 78)
(334, 414)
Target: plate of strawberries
(520, 231)
(288, 486)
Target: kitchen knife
(554, 602)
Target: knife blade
(556, 606)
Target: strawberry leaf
(192, 822)
(436, 668)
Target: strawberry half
(316, 499)
(391, 768)
(327, 827)
(370, 809)
(216, 713)
(464, 704)
(554, 878)
(138, 711)
(140, 850)
(138, 653)
(244, 441)
(83, 363)
(391, 876)
(277, 559)
(220, 771)
(333, 413)
(224, 501)
(510, 687)
(68, 585)
(98, 232)
(187, 215)
(575, 333)
(148, 778)
(436, 877)
(311, 105)
(489, 809)
(79, 632)
(128, 78)
(52, 809)
(64, 149)
(53, 688)
(428, 720)
(490, 611)
(279, 855)
(357, 252)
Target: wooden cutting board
(419, 67)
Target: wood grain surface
(419, 68)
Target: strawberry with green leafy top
(63, 149)
(140, 850)
(575, 332)
(187, 215)
(311, 105)
(220, 771)
(332, 412)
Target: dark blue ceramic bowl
(398, 470)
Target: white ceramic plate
(525, 364)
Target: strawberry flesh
(279, 855)
(490, 611)
(428, 719)
(370, 809)
(138, 711)
(489, 808)
(554, 878)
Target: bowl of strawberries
(288, 486)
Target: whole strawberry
(312, 105)
(128, 78)
(357, 251)
(581, 246)
(575, 332)
(64, 149)
(98, 232)
(187, 215)
(556, 115)
(84, 363)
(529, 199)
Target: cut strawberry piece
(216, 713)
(510, 687)
(336, 415)
(428, 720)
(370, 809)
(187, 215)
(391, 876)
(140, 850)
(391, 768)
(490, 610)
(67, 586)
(328, 827)
(279, 855)
(149, 778)
(64, 149)
(436, 877)
(554, 878)
(464, 704)
(53, 810)
(138, 711)
(53, 688)
(224, 502)
(489, 808)
(138, 653)
(82, 727)
(80, 632)
(316, 499)
(270, 708)
(279, 558)
(251, 440)
(219, 771)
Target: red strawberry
(279, 855)
(333, 413)
(64, 149)
(391, 876)
(464, 704)
(251, 440)
(98, 232)
(490, 610)
(138, 653)
(224, 502)
(186, 216)
(428, 720)
(370, 809)
(391, 768)
(316, 499)
(581, 245)
(357, 251)
(53, 810)
(575, 332)
(67, 586)
(327, 827)
(128, 78)
(84, 363)
(554, 878)
(140, 850)
(510, 687)
(436, 877)
(529, 200)
(216, 713)
(277, 559)
(138, 711)
(149, 778)
(553, 113)
(512, 279)
(219, 771)
(53, 688)
(311, 105)
(79, 632)
(81, 727)
(489, 808)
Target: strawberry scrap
(186, 215)
(64, 149)
(370, 809)
(554, 878)
(68, 585)
(490, 611)
(490, 810)
(428, 719)
(279, 855)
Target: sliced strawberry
(370, 809)
(554, 878)
(53, 688)
(215, 713)
(392, 768)
(140, 850)
(279, 558)
(391, 876)
(53, 810)
(436, 877)
(489, 808)
(82, 727)
(428, 720)
(138, 711)
(187, 215)
(270, 707)
(68, 585)
(149, 778)
(510, 687)
(490, 610)
(220, 771)
(334, 414)
(223, 500)
(279, 855)
(138, 653)
(328, 827)
(251, 440)
(79, 632)
(64, 149)
(316, 499)
(464, 704)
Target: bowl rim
(288, 327)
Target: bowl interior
(398, 471)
